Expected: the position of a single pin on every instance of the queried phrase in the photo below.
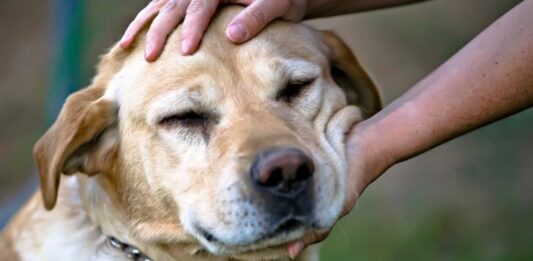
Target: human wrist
(368, 156)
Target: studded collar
(132, 252)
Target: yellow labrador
(224, 155)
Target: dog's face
(238, 148)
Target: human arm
(196, 14)
(489, 79)
(326, 8)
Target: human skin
(488, 79)
(196, 14)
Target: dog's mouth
(281, 233)
(286, 227)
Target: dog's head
(239, 148)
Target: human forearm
(490, 78)
(325, 8)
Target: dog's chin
(267, 244)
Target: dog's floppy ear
(350, 76)
(81, 140)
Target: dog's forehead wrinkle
(273, 68)
(301, 67)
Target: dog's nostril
(275, 178)
(284, 170)
(304, 172)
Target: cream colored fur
(151, 184)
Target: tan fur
(151, 184)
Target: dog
(228, 154)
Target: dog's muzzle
(283, 179)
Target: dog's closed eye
(189, 124)
(294, 89)
(188, 119)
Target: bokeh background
(469, 199)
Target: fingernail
(185, 46)
(236, 32)
(148, 50)
(295, 249)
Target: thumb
(250, 21)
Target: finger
(254, 18)
(296, 247)
(196, 20)
(165, 22)
(349, 203)
(315, 236)
(138, 23)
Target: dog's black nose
(283, 172)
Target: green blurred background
(470, 199)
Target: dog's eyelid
(187, 118)
(301, 81)
(302, 75)
(294, 88)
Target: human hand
(196, 14)
(366, 163)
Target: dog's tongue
(295, 248)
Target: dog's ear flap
(350, 76)
(68, 146)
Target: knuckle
(316, 236)
(257, 15)
(154, 6)
(145, 12)
(170, 5)
(196, 6)
(159, 3)
(136, 24)
(140, 14)
(295, 10)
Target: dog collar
(132, 252)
